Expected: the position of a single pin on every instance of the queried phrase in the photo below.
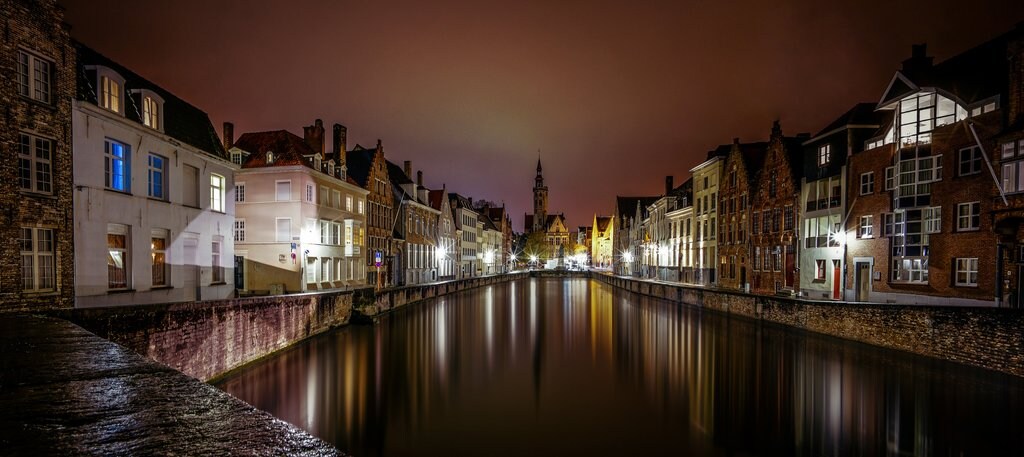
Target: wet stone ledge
(65, 391)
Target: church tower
(540, 202)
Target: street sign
(377, 259)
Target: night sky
(615, 95)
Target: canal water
(576, 367)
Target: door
(863, 280)
(836, 280)
(239, 272)
(790, 263)
(190, 269)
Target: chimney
(314, 136)
(668, 184)
(408, 168)
(419, 178)
(340, 138)
(229, 135)
(918, 60)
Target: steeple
(540, 201)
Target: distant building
(448, 253)
(706, 176)
(466, 219)
(368, 168)
(629, 233)
(154, 193)
(556, 233)
(602, 241)
(37, 261)
(416, 227)
(740, 175)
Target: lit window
(34, 77)
(239, 230)
(35, 159)
(932, 219)
(867, 183)
(110, 94)
(970, 161)
(217, 192)
(967, 271)
(215, 262)
(158, 253)
(38, 271)
(824, 154)
(270, 157)
(117, 256)
(968, 216)
(348, 203)
(867, 229)
(240, 192)
(150, 112)
(890, 178)
(157, 177)
(117, 166)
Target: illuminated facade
(602, 241)
(553, 225)
(706, 176)
(740, 172)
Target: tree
(537, 245)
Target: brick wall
(36, 28)
(991, 338)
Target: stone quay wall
(991, 338)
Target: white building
(152, 199)
(448, 253)
(466, 221)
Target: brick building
(38, 64)
(740, 172)
(775, 199)
(415, 227)
(370, 171)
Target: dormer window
(824, 154)
(330, 168)
(110, 93)
(270, 157)
(150, 112)
(342, 174)
(237, 157)
(317, 164)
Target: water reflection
(572, 367)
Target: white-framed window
(867, 227)
(916, 175)
(283, 191)
(217, 185)
(968, 216)
(239, 191)
(151, 111)
(893, 223)
(117, 166)
(932, 217)
(270, 157)
(325, 231)
(325, 269)
(157, 174)
(236, 157)
(910, 269)
(335, 199)
(338, 266)
(324, 196)
(310, 193)
(824, 154)
(216, 266)
(311, 265)
(35, 77)
(111, 93)
(920, 113)
(967, 271)
(348, 237)
(158, 254)
(867, 183)
(890, 178)
(35, 164)
(283, 230)
(38, 270)
(819, 269)
(969, 161)
(348, 203)
(1013, 171)
(118, 257)
(360, 207)
(335, 234)
(239, 231)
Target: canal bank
(990, 338)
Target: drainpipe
(999, 274)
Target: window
(821, 231)
(158, 252)
(35, 159)
(970, 161)
(117, 166)
(890, 178)
(1013, 172)
(215, 263)
(157, 177)
(824, 154)
(775, 219)
(920, 113)
(38, 271)
(240, 192)
(150, 112)
(325, 229)
(110, 94)
(239, 230)
(932, 219)
(325, 269)
(968, 216)
(867, 183)
(916, 175)
(117, 256)
(894, 223)
(753, 222)
(283, 191)
(335, 199)
(819, 269)
(360, 207)
(309, 192)
(325, 196)
(757, 258)
(34, 77)
(270, 157)
(967, 271)
(284, 230)
(236, 157)
(335, 234)
(913, 269)
(217, 192)
(788, 215)
(714, 200)
(311, 265)
(867, 229)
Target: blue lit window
(117, 166)
(157, 177)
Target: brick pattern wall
(731, 219)
(785, 199)
(991, 338)
(38, 28)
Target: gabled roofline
(883, 102)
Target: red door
(836, 279)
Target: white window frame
(287, 188)
(239, 192)
(152, 109)
(35, 173)
(35, 77)
(824, 154)
(867, 183)
(348, 203)
(160, 234)
(239, 230)
(218, 184)
(216, 262)
(965, 222)
(109, 158)
(325, 196)
(279, 236)
(151, 170)
(123, 252)
(111, 95)
(966, 274)
(310, 193)
(931, 219)
(819, 269)
(867, 227)
(973, 161)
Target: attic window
(111, 90)
(316, 163)
(152, 106)
(330, 168)
(342, 173)
(270, 157)
(236, 157)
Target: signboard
(376, 259)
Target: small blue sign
(376, 258)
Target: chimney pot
(419, 178)
(408, 168)
(668, 184)
(229, 135)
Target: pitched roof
(396, 174)
(359, 162)
(602, 222)
(626, 206)
(181, 120)
(860, 114)
(288, 148)
(436, 198)
(488, 224)
(753, 155)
